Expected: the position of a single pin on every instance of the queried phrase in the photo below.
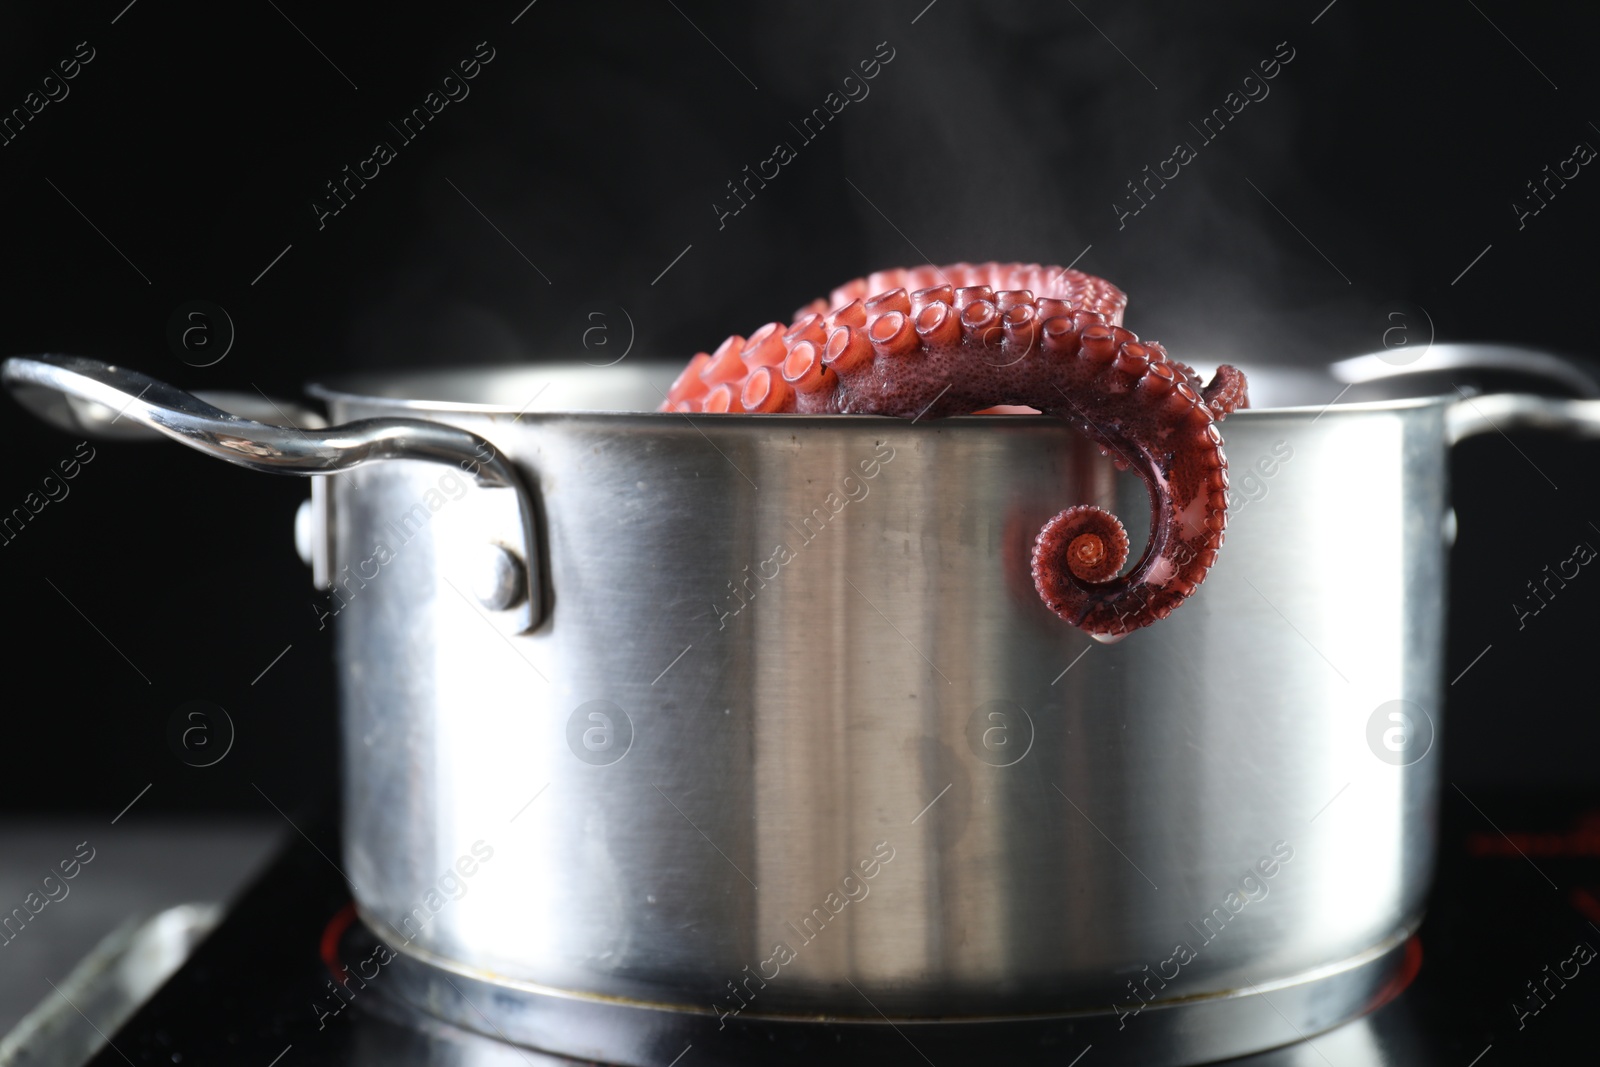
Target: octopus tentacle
(1090, 541)
(940, 341)
(1227, 392)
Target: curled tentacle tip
(1085, 542)
(1086, 557)
(1227, 393)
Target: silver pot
(663, 731)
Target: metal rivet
(497, 578)
(304, 528)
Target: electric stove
(1502, 971)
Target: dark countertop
(138, 867)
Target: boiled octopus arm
(964, 346)
(1227, 392)
(1079, 553)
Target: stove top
(1506, 956)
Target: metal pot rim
(407, 391)
(1387, 380)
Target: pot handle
(280, 449)
(1464, 357)
(1472, 415)
(1476, 413)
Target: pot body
(796, 735)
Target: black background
(597, 141)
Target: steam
(1000, 131)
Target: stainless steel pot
(674, 731)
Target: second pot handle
(1473, 412)
(1472, 415)
(286, 449)
(1456, 358)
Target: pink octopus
(937, 341)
